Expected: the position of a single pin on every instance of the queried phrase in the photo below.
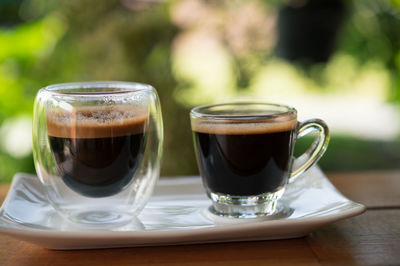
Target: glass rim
(116, 87)
(198, 111)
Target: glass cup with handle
(244, 152)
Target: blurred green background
(337, 60)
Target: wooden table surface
(372, 238)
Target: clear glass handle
(317, 149)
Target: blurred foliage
(192, 52)
(349, 154)
(372, 34)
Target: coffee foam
(244, 128)
(96, 122)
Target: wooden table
(372, 238)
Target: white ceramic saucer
(176, 214)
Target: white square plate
(176, 214)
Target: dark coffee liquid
(244, 164)
(97, 167)
(91, 160)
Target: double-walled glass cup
(97, 149)
(245, 154)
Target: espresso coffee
(97, 150)
(244, 159)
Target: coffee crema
(242, 158)
(97, 150)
